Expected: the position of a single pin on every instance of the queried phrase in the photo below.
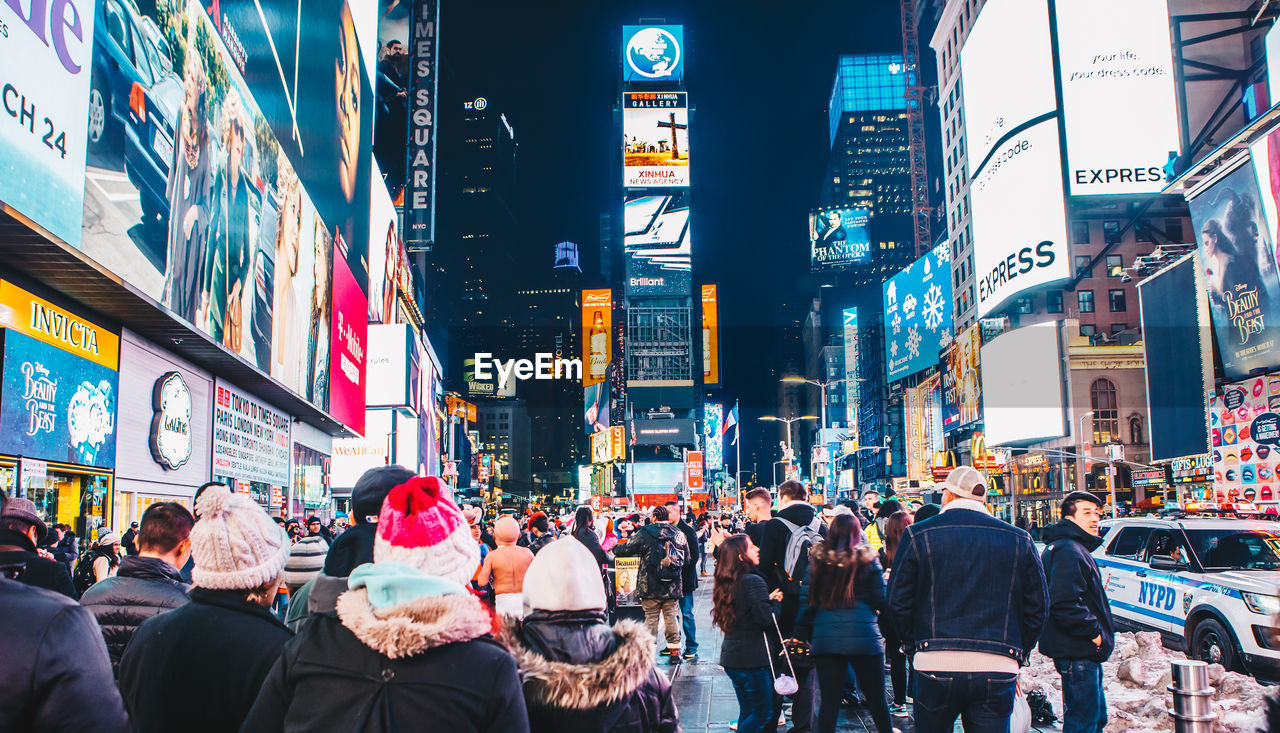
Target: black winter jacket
(744, 644)
(773, 553)
(852, 631)
(1078, 607)
(689, 574)
(55, 675)
(649, 586)
(17, 549)
(966, 581)
(427, 664)
(580, 674)
(200, 665)
(587, 536)
(144, 587)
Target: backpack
(666, 560)
(796, 559)
(82, 579)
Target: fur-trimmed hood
(584, 686)
(861, 554)
(410, 628)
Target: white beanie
(235, 545)
(564, 576)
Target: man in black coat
(1079, 634)
(21, 531)
(688, 584)
(148, 583)
(130, 540)
(659, 595)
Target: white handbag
(782, 684)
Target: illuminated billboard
(384, 254)
(1014, 152)
(710, 336)
(712, 440)
(597, 339)
(595, 407)
(924, 436)
(46, 97)
(917, 313)
(657, 243)
(222, 195)
(851, 370)
(652, 53)
(652, 477)
(1236, 252)
(839, 237)
(655, 131)
(962, 380)
(1022, 385)
(1120, 108)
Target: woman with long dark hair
(743, 608)
(584, 531)
(894, 528)
(838, 616)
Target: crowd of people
(422, 609)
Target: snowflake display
(942, 252)
(913, 342)
(909, 306)
(897, 323)
(932, 311)
(893, 349)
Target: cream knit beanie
(235, 545)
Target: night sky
(759, 75)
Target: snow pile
(1135, 679)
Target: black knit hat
(372, 488)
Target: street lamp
(788, 421)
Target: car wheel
(1212, 643)
(97, 111)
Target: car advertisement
(657, 243)
(204, 190)
(56, 405)
(962, 380)
(655, 131)
(597, 338)
(839, 238)
(1240, 271)
(349, 339)
(917, 313)
(1244, 424)
(652, 53)
(47, 64)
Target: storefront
(251, 446)
(163, 442)
(1152, 488)
(311, 493)
(1193, 478)
(58, 394)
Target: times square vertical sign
(420, 180)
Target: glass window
(1118, 327)
(1084, 299)
(1106, 422)
(1129, 542)
(1082, 266)
(1026, 305)
(1165, 542)
(1117, 300)
(1079, 232)
(1142, 231)
(1053, 300)
(1173, 230)
(1226, 549)
(1088, 329)
(1111, 232)
(1115, 265)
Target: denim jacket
(966, 581)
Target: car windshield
(1236, 549)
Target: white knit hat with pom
(235, 545)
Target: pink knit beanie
(420, 526)
(235, 545)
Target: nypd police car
(1208, 585)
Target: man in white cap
(967, 593)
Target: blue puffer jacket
(852, 631)
(966, 581)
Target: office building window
(1118, 327)
(1110, 232)
(1106, 422)
(1079, 232)
(1082, 266)
(1115, 265)
(1117, 301)
(1084, 299)
(1173, 230)
(1054, 301)
(1026, 305)
(1088, 330)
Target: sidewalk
(705, 696)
